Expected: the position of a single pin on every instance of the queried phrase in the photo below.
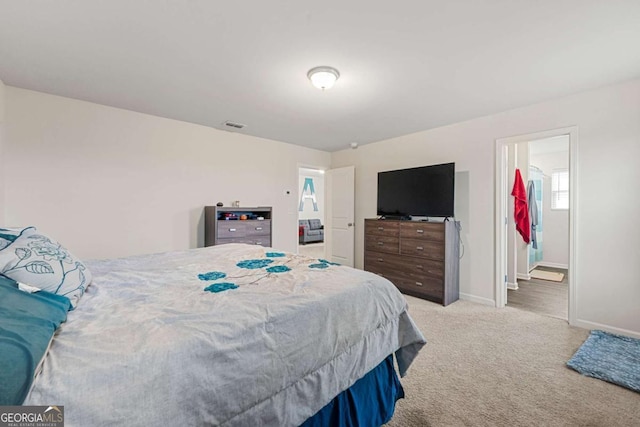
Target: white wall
(318, 183)
(2, 185)
(555, 223)
(607, 251)
(108, 182)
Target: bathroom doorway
(541, 282)
(537, 278)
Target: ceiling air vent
(234, 125)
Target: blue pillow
(37, 260)
(27, 323)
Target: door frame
(501, 215)
(323, 170)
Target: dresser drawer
(381, 228)
(425, 286)
(419, 267)
(258, 228)
(257, 240)
(254, 240)
(422, 230)
(231, 229)
(376, 263)
(422, 248)
(399, 265)
(382, 244)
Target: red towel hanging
(521, 210)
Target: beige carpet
(484, 366)
(313, 250)
(546, 275)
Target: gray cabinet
(420, 258)
(237, 225)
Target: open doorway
(311, 212)
(537, 278)
(541, 267)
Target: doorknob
(350, 224)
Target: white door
(340, 202)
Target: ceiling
(405, 66)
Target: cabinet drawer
(381, 228)
(231, 229)
(382, 244)
(422, 248)
(376, 263)
(425, 286)
(422, 230)
(258, 228)
(255, 240)
(402, 265)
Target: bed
(229, 335)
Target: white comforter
(148, 346)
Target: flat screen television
(423, 191)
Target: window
(560, 189)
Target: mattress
(230, 335)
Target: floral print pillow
(37, 260)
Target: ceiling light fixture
(323, 77)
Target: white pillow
(37, 260)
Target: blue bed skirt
(369, 402)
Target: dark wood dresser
(420, 258)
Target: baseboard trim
(512, 286)
(523, 276)
(553, 265)
(585, 324)
(478, 300)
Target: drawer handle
(419, 267)
(258, 228)
(419, 283)
(420, 248)
(381, 228)
(381, 243)
(232, 229)
(380, 260)
(258, 243)
(419, 231)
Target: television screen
(422, 191)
